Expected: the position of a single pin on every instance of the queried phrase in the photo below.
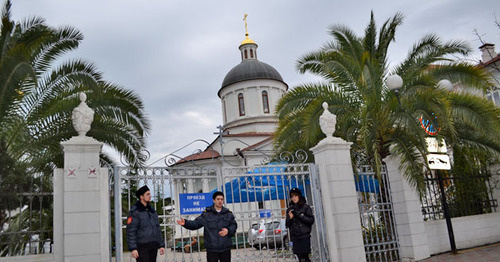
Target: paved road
(242, 254)
(489, 253)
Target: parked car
(186, 246)
(269, 234)
(253, 233)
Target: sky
(175, 54)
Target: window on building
(265, 102)
(496, 97)
(246, 54)
(241, 104)
(251, 53)
(224, 109)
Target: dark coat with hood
(303, 219)
(212, 222)
(143, 227)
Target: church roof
(249, 70)
(207, 154)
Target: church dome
(249, 70)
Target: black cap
(295, 190)
(141, 191)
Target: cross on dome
(247, 39)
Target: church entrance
(258, 196)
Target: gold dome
(247, 41)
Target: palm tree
(369, 114)
(38, 93)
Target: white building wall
(470, 231)
(252, 92)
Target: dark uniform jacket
(143, 227)
(213, 222)
(303, 219)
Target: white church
(249, 94)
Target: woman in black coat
(299, 220)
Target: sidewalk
(489, 253)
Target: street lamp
(445, 84)
(394, 83)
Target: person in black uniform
(218, 225)
(144, 236)
(299, 220)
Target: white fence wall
(30, 258)
(470, 231)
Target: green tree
(38, 93)
(369, 114)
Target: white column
(205, 186)
(338, 192)
(408, 215)
(340, 202)
(81, 203)
(81, 196)
(190, 185)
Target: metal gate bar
(166, 183)
(377, 216)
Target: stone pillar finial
(327, 121)
(82, 116)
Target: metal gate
(377, 217)
(258, 196)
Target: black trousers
(303, 257)
(147, 253)
(224, 256)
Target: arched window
(241, 104)
(224, 109)
(246, 54)
(265, 102)
(251, 53)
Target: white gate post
(338, 191)
(408, 215)
(81, 196)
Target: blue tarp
(366, 183)
(272, 186)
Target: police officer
(299, 219)
(144, 236)
(219, 226)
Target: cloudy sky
(175, 54)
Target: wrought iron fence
(269, 187)
(376, 213)
(465, 195)
(26, 219)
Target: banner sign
(194, 203)
(438, 161)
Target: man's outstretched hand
(181, 221)
(223, 232)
